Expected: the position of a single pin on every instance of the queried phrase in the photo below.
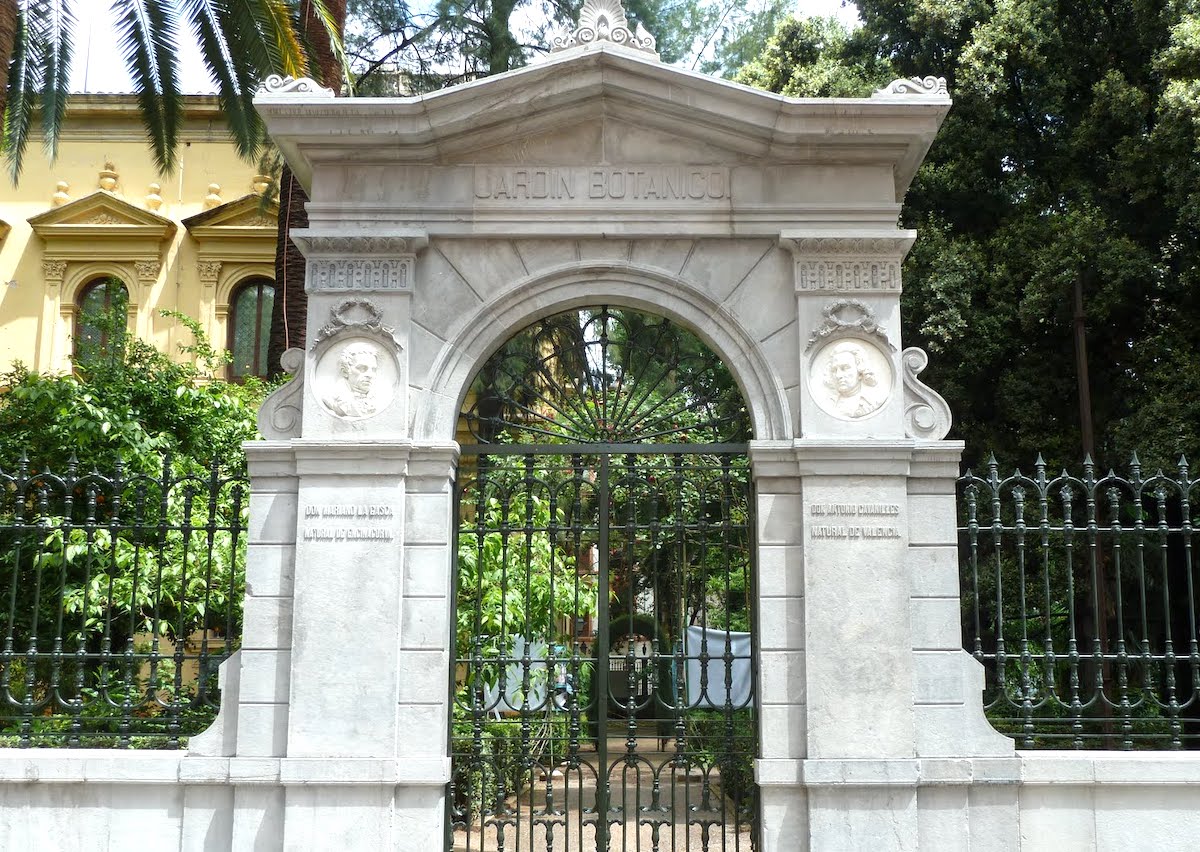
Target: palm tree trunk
(8, 35)
(290, 312)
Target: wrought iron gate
(603, 688)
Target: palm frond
(333, 31)
(230, 66)
(282, 28)
(59, 24)
(254, 22)
(147, 33)
(24, 82)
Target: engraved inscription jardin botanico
(347, 522)
(832, 523)
(638, 184)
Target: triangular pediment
(573, 93)
(598, 140)
(102, 225)
(101, 209)
(240, 214)
(238, 230)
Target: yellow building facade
(101, 223)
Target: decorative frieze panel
(339, 263)
(848, 264)
(851, 275)
(362, 274)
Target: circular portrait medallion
(356, 378)
(850, 378)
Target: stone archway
(441, 225)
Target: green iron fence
(122, 594)
(1079, 597)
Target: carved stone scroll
(926, 414)
(280, 415)
(276, 84)
(920, 86)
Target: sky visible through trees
(98, 68)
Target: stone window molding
(227, 316)
(66, 282)
(94, 236)
(235, 241)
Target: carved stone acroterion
(604, 20)
(107, 179)
(921, 86)
(277, 84)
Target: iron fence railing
(121, 594)
(1079, 596)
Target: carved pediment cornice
(102, 224)
(238, 230)
(606, 79)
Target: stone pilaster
(848, 309)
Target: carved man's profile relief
(850, 378)
(353, 394)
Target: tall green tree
(322, 27)
(1063, 193)
(241, 41)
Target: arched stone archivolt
(578, 285)
(224, 279)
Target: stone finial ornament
(934, 87)
(604, 20)
(61, 196)
(260, 184)
(107, 179)
(213, 199)
(926, 414)
(154, 198)
(279, 85)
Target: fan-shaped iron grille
(602, 375)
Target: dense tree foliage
(398, 48)
(129, 402)
(1069, 162)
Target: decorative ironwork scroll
(605, 375)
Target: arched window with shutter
(250, 328)
(100, 310)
